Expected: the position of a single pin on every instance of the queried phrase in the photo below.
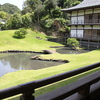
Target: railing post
(27, 95)
(85, 92)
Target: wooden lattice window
(90, 18)
(98, 32)
(99, 18)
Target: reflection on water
(68, 50)
(21, 61)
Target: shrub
(49, 23)
(20, 33)
(72, 42)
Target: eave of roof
(83, 5)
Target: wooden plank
(70, 89)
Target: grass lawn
(7, 42)
(34, 44)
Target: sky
(18, 3)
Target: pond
(10, 62)
(68, 50)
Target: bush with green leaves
(72, 42)
(20, 33)
(49, 23)
(26, 20)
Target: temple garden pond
(11, 62)
(68, 50)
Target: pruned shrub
(20, 33)
(72, 42)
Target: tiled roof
(84, 4)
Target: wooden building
(85, 20)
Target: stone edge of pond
(15, 51)
(54, 60)
(56, 46)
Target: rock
(35, 57)
(38, 37)
(49, 51)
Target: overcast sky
(18, 3)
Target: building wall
(83, 22)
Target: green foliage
(10, 8)
(67, 28)
(62, 21)
(56, 12)
(43, 12)
(76, 3)
(16, 21)
(46, 11)
(72, 42)
(26, 9)
(26, 20)
(49, 23)
(20, 33)
(38, 13)
(50, 4)
(7, 26)
(3, 15)
(33, 4)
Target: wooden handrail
(27, 89)
(87, 36)
(82, 86)
(93, 21)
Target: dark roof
(83, 5)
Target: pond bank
(54, 60)
(15, 51)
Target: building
(2, 21)
(85, 20)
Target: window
(98, 32)
(99, 18)
(90, 18)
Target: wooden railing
(87, 37)
(82, 22)
(81, 86)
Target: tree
(26, 8)
(3, 15)
(36, 7)
(33, 4)
(16, 21)
(49, 23)
(38, 13)
(50, 4)
(26, 20)
(76, 3)
(61, 3)
(56, 12)
(10, 8)
(8, 25)
(45, 11)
